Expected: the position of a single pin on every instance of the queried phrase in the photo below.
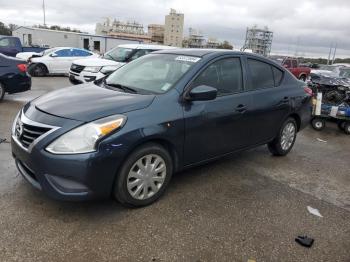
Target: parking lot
(249, 206)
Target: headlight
(92, 69)
(13, 129)
(109, 69)
(83, 139)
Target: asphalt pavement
(249, 206)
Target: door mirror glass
(202, 93)
(53, 55)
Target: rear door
(222, 125)
(271, 102)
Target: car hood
(329, 78)
(89, 102)
(96, 62)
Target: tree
(5, 30)
(225, 45)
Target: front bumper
(65, 177)
(84, 77)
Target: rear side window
(139, 53)
(261, 74)
(4, 42)
(277, 75)
(225, 75)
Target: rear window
(261, 74)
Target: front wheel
(285, 139)
(347, 128)
(144, 176)
(318, 124)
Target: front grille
(76, 68)
(26, 134)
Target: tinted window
(64, 52)
(277, 75)
(79, 52)
(261, 74)
(225, 75)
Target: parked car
(57, 60)
(125, 135)
(292, 64)
(27, 55)
(88, 70)
(11, 46)
(13, 76)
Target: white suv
(87, 70)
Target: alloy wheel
(288, 136)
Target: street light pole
(44, 12)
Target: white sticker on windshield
(191, 59)
(166, 86)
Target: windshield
(119, 54)
(154, 73)
(328, 68)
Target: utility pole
(335, 50)
(44, 12)
(329, 54)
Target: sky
(301, 27)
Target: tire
(341, 125)
(318, 123)
(347, 128)
(2, 92)
(127, 191)
(39, 70)
(284, 141)
(302, 78)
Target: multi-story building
(156, 33)
(173, 31)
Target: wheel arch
(297, 119)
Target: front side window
(154, 73)
(225, 75)
(261, 74)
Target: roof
(200, 52)
(145, 46)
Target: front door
(218, 126)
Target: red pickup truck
(292, 65)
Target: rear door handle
(241, 108)
(285, 100)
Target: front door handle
(241, 108)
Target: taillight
(22, 67)
(308, 90)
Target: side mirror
(53, 55)
(202, 93)
(285, 66)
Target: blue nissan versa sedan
(127, 134)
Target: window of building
(225, 75)
(261, 74)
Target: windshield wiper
(124, 88)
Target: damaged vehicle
(333, 82)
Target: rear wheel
(318, 123)
(302, 78)
(38, 70)
(285, 139)
(347, 128)
(2, 92)
(144, 176)
(341, 125)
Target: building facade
(125, 30)
(31, 36)
(156, 33)
(173, 29)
